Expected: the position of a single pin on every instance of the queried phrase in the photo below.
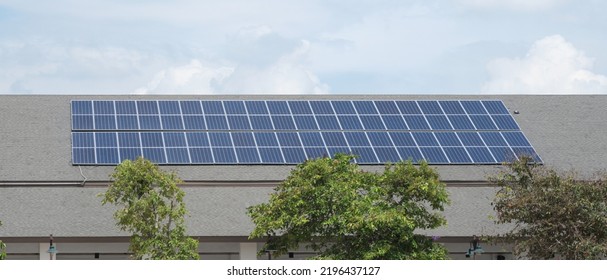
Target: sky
(303, 47)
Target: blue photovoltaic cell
(147, 107)
(279, 131)
(394, 122)
(495, 107)
(452, 107)
(288, 139)
(171, 122)
(526, 152)
(403, 139)
(321, 107)
(410, 153)
(338, 150)
(408, 108)
(129, 122)
(350, 122)
(473, 107)
(197, 139)
(129, 153)
(278, 107)
(82, 107)
(239, 122)
(220, 139)
(470, 139)
(305, 123)
(505, 122)
(344, 108)
(261, 123)
(430, 107)
(379, 139)
(177, 155)
(129, 139)
(194, 122)
(502, 154)
(106, 139)
(357, 139)
(493, 139)
(201, 155)
(438, 122)
(243, 139)
(460, 122)
(126, 107)
(457, 154)
(149, 122)
(107, 155)
(424, 139)
(311, 139)
(417, 122)
(266, 139)
(387, 154)
(169, 107)
(372, 122)
(103, 107)
(212, 108)
(83, 139)
(483, 122)
(516, 139)
(174, 139)
(387, 107)
(82, 122)
(224, 155)
(335, 139)
(316, 152)
(327, 122)
(216, 122)
(447, 139)
(364, 155)
(434, 155)
(300, 107)
(480, 154)
(365, 107)
(235, 107)
(283, 122)
(104, 122)
(293, 155)
(247, 155)
(191, 107)
(155, 155)
(83, 155)
(151, 139)
(256, 107)
(271, 155)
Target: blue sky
(303, 47)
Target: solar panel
(106, 132)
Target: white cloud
(288, 75)
(552, 65)
(193, 78)
(515, 5)
(285, 75)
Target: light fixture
(51, 248)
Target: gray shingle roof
(568, 131)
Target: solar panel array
(106, 132)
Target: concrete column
(248, 251)
(42, 250)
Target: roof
(567, 131)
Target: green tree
(553, 214)
(2, 248)
(152, 209)
(342, 212)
